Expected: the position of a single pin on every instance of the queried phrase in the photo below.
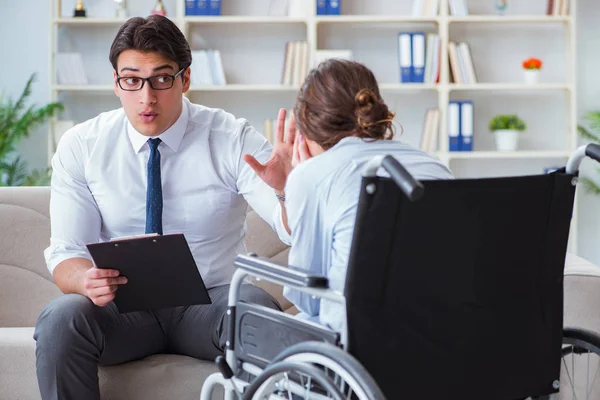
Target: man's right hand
(101, 285)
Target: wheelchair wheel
(348, 377)
(580, 371)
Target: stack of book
(458, 8)
(460, 125)
(431, 130)
(558, 8)
(419, 57)
(425, 8)
(70, 70)
(295, 65)
(207, 68)
(461, 63)
(202, 7)
(328, 7)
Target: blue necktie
(154, 201)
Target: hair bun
(365, 98)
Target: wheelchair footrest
(261, 333)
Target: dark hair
(341, 98)
(154, 33)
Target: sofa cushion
(157, 377)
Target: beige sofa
(26, 287)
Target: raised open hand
(276, 170)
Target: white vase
(506, 139)
(531, 76)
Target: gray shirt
(322, 196)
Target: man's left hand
(276, 170)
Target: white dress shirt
(321, 200)
(98, 188)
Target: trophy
(159, 9)
(121, 11)
(79, 9)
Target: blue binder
(321, 7)
(214, 7)
(418, 57)
(190, 7)
(454, 126)
(405, 56)
(466, 126)
(333, 7)
(201, 7)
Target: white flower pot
(506, 139)
(531, 76)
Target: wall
(25, 47)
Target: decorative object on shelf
(17, 120)
(506, 130)
(159, 9)
(121, 10)
(531, 69)
(79, 9)
(592, 120)
(501, 6)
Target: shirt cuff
(283, 234)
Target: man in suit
(159, 164)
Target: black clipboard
(160, 271)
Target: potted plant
(16, 122)
(506, 130)
(531, 68)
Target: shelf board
(241, 19)
(89, 21)
(510, 19)
(375, 19)
(510, 86)
(245, 88)
(406, 87)
(531, 154)
(83, 88)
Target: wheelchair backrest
(460, 294)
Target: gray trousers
(74, 336)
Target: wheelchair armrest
(262, 267)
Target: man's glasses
(158, 82)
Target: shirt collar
(172, 137)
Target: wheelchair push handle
(591, 150)
(412, 188)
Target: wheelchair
(454, 290)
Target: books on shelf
(558, 8)
(202, 7)
(290, 8)
(271, 127)
(70, 69)
(458, 8)
(419, 57)
(207, 68)
(431, 129)
(295, 64)
(329, 7)
(460, 125)
(425, 8)
(461, 63)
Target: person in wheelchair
(342, 123)
(431, 287)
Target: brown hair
(154, 33)
(341, 98)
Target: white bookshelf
(252, 45)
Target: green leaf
(17, 120)
(504, 121)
